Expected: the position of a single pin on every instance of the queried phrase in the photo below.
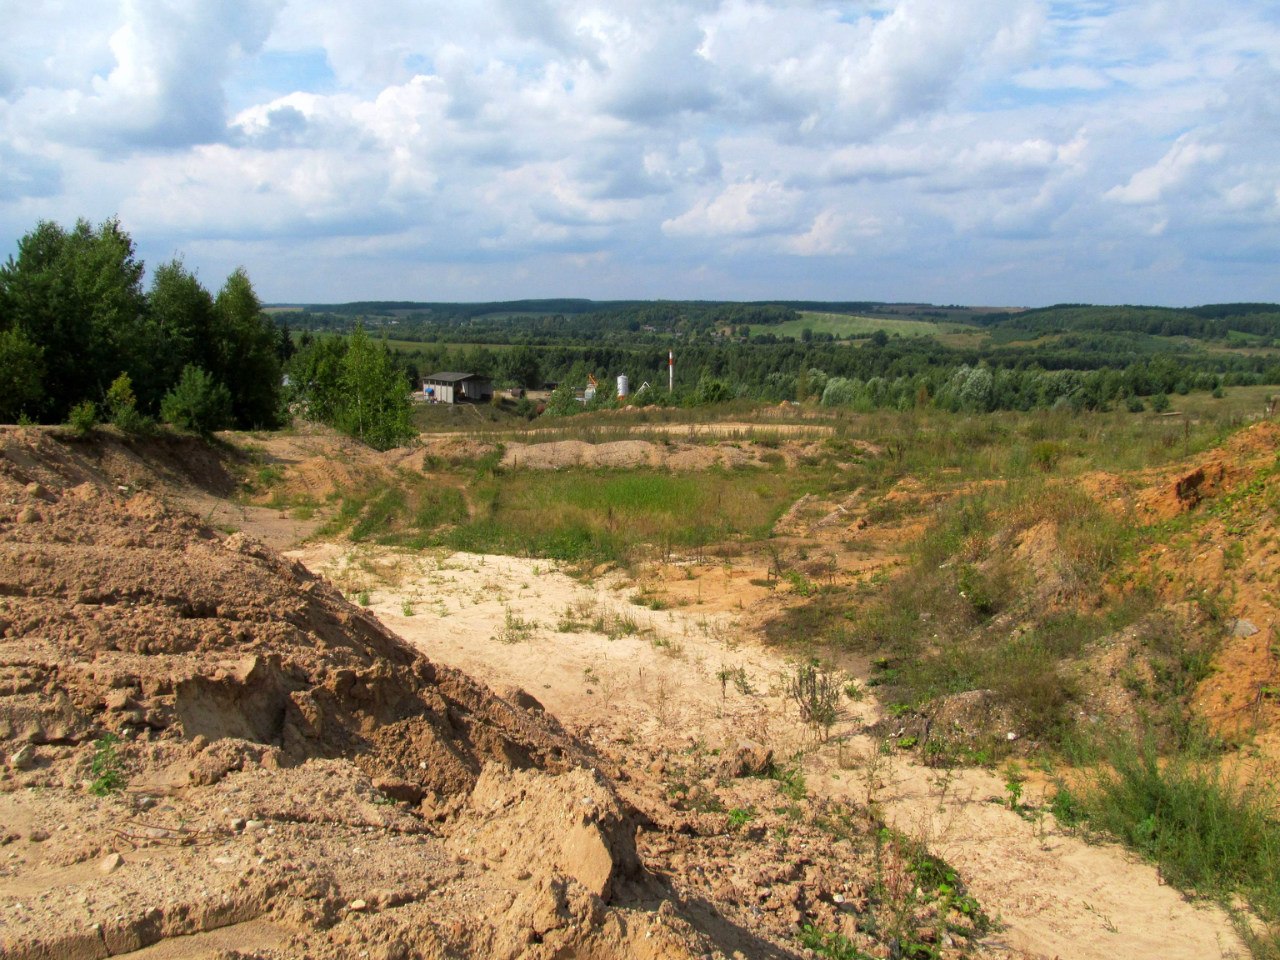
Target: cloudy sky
(954, 151)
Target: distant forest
(82, 338)
(1083, 356)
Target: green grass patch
(618, 516)
(844, 326)
(1187, 814)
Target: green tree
(197, 402)
(563, 402)
(77, 295)
(315, 375)
(522, 368)
(21, 376)
(245, 346)
(180, 312)
(375, 396)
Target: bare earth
(652, 695)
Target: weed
(406, 608)
(363, 598)
(790, 780)
(1186, 813)
(834, 946)
(739, 817)
(106, 767)
(816, 693)
(1013, 778)
(515, 628)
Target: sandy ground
(659, 677)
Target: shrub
(106, 767)
(1186, 814)
(816, 692)
(197, 402)
(83, 418)
(122, 405)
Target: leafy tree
(181, 313)
(522, 368)
(315, 375)
(21, 375)
(246, 348)
(197, 402)
(563, 401)
(374, 404)
(77, 295)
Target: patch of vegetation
(816, 693)
(106, 767)
(1209, 833)
(603, 516)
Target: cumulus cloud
(160, 84)
(727, 141)
(742, 209)
(1172, 170)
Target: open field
(845, 327)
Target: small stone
(146, 803)
(358, 906)
(1243, 628)
(747, 759)
(255, 824)
(1011, 736)
(110, 863)
(38, 836)
(237, 824)
(24, 758)
(29, 515)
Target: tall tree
(246, 359)
(375, 396)
(78, 296)
(181, 309)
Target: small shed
(454, 387)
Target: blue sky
(997, 152)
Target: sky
(982, 152)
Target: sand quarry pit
(647, 689)
(210, 751)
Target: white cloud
(812, 144)
(1151, 184)
(743, 209)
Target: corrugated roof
(449, 376)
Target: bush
(83, 418)
(1187, 814)
(122, 404)
(197, 403)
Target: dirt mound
(165, 462)
(293, 768)
(124, 616)
(622, 454)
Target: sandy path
(498, 618)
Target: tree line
(76, 321)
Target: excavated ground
(210, 753)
